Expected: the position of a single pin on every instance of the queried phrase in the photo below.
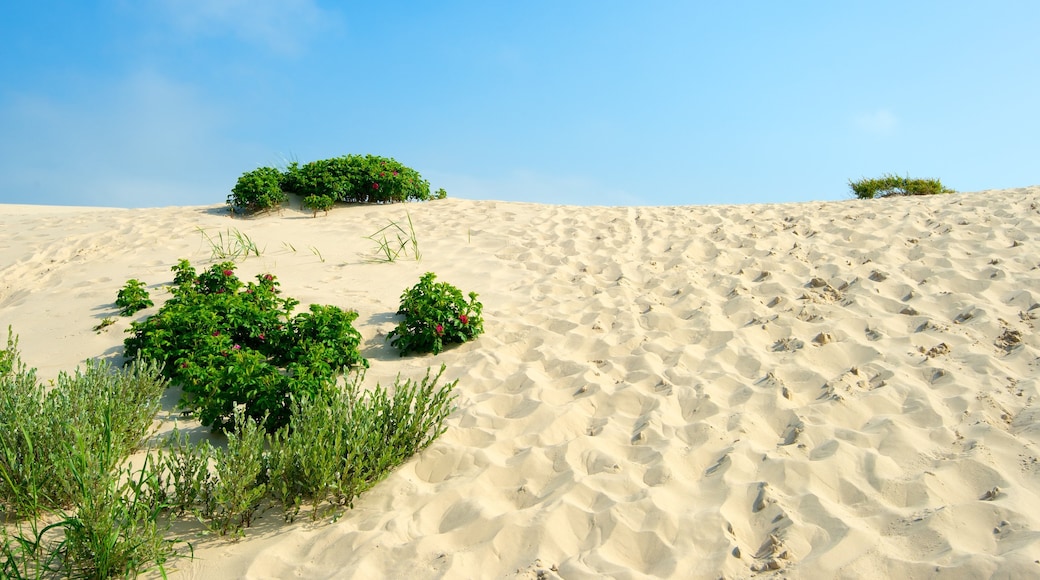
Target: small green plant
(230, 245)
(405, 241)
(239, 483)
(319, 203)
(105, 323)
(132, 298)
(890, 185)
(435, 314)
(440, 194)
(257, 190)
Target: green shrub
(319, 203)
(231, 343)
(132, 298)
(258, 190)
(435, 314)
(895, 185)
(357, 179)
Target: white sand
(828, 389)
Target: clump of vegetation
(319, 203)
(133, 297)
(73, 510)
(232, 343)
(258, 190)
(895, 185)
(349, 178)
(336, 446)
(435, 314)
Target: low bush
(132, 298)
(435, 314)
(319, 203)
(321, 183)
(895, 185)
(258, 190)
(233, 343)
(358, 179)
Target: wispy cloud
(283, 26)
(877, 122)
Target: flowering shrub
(350, 178)
(435, 314)
(356, 178)
(258, 190)
(229, 342)
(132, 298)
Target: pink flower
(395, 173)
(268, 277)
(228, 272)
(382, 174)
(261, 337)
(439, 329)
(375, 186)
(216, 333)
(464, 319)
(236, 347)
(184, 365)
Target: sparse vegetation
(231, 244)
(402, 242)
(894, 185)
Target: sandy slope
(844, 389)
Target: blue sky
(141, 103)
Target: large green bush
(258, 190)
(350, 178)
(896, 185)
(232, 343)
(357, 179)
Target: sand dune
(842, 389)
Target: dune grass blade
(233, 244)
(392, 241)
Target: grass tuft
(232, 245)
